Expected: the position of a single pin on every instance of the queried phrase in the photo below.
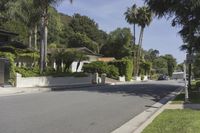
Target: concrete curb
(29, 90)
(138, 123)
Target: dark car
(163, 77)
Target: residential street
(88, 110)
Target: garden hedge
(125, 67)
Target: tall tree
(28, 14)
(44, 6)
(131, 18)
(144, 19)
(87, 26)
(119, 44)
(183, 13)
(171, 63)
(142, 16)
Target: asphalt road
(86, 110)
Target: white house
(178, 75)
(91, 58)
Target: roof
(7, 33)
(106, 59)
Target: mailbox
(4, 71)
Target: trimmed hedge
(28, 72)
(113, 72)
(125, 67)
(101, 67)
(96, 67)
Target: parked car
(163, 77)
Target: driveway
(85, 110)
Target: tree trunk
(35, 37)
(134, 53)
(42, 61)
(45, 35)
(30, 39)
(139, 49)
(45, 45)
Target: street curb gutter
(31, 90)
(138, 123)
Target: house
(106, 59)
(91, 58)
(178, 75)
(6, 36)
(87, 52)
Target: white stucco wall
(51, 81)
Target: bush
(35, 72)
(101, 67)
(96, 67)
(197, 84)
(28, 72)
(154, 77)
(113, 72)
(125, 67)
(142, 77)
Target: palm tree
(44, 5)
(144, 17)
(131, 18)
(141, 16)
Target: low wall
(50, 81)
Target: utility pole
(186, 85)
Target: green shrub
(154, 77)
(28, 72)
(197, 84)
(96, 67)
(35, 72)
(113, 72)
(101, 67)
(125, 67)
(142, 77)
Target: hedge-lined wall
(123, 67)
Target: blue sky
(109, 14)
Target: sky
(109, 14)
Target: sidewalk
(183, 106)
(9, 91)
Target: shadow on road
(156, 91)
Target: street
(82, 110)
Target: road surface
(87, 110)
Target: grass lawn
(194, 97)
(176, 121)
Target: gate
(4, 71)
